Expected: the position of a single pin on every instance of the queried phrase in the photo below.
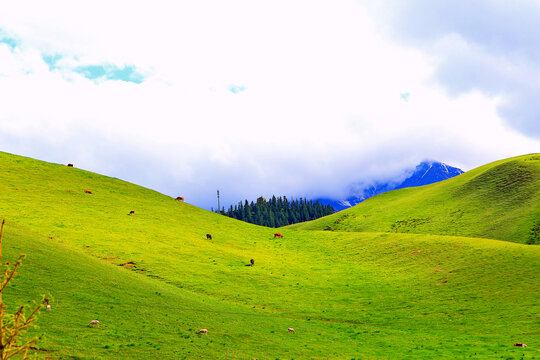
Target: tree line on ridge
(278, 211)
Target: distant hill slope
(500, 200)
(425, 173)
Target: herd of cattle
(201, 331)
(208, 237)
(252, 263)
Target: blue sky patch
(237, 89)
(110, 72)
(51, 60)
(98, 72)
(405, 96)
(8, 40)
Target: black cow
(208, 237)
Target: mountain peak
(429, 172)
(425, 173)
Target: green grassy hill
(500, 200)
(349, 295)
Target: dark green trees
(277, 212)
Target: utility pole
(218, 207)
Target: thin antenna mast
(218, 207)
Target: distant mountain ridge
(427, 172)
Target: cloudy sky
(296, 98)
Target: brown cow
(279, 235)
(70, 165)
(520, 344)
(87, 191)
(203, 331)
(94, 322)
(132, 212)
(291, 330)
(252, 262)
(180, 198)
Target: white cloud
(321, 102)
(482, 45)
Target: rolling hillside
(153, 279)
(500, 200)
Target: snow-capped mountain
(427, 172)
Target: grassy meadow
(153, 279)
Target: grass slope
(500, 200)
(348, 295)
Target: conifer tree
(278, 211)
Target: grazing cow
(279, 235)
(203, 331)
(132, 212)
(208, 237)
(87, 191)
(48, 307)
(252, 262)
(520, 344)
(70, 165)
(180, 198)
(291, 330)
(94, 322)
